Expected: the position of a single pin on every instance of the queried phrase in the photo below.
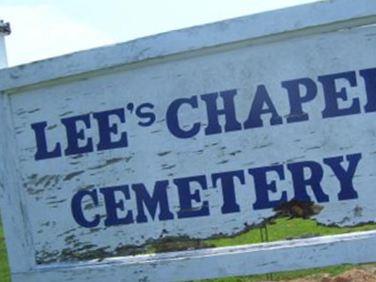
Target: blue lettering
(263, 187)
(113, 205)
(228, 189)
(332, 95)
(186, 197)
(369, 76)
(159, 197)
(300, 181)
(149, 117)
(40, 136)
(74, 135)
(77, 212)
(173, 120)
(345, 177)
(106, 130)
(228, 110)
(257, 109)
(296, 99)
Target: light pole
(4, 30)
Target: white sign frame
(272, 26)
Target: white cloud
(41, 31)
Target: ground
(364, 273)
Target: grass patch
(4, 268)
(284, 229)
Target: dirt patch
(363, 274)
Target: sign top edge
(186, 40)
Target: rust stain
(294, 208)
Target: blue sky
(46, 28)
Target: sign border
(314, 18)
(218, 262)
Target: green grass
(280, 229)
(284, 228)
(4, 269)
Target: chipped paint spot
(161, 154)
(73, 174)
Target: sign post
(4, 30)
(198, 133)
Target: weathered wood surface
(158, 70)
(154, 154)
(218, 262)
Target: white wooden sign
(192, 134)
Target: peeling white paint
(157, 70)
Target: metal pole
(4, 30)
